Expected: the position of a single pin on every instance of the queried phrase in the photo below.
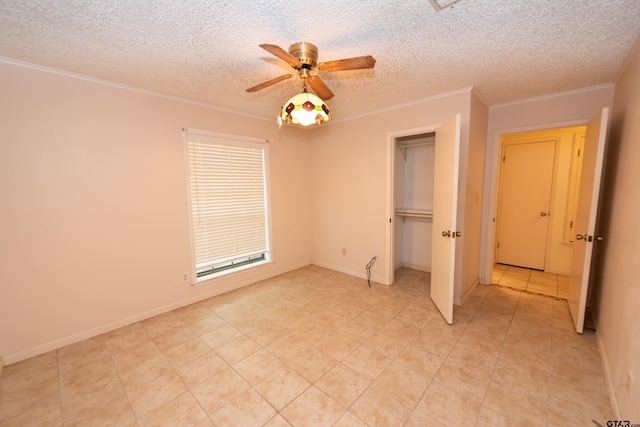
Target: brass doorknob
(599, 238)
(446, 234)
(543, 214)
(580, 237)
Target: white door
(526, 179)
(445, 203)
(586, 216)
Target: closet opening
(413, 200)
(422, 176)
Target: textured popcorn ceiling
(207, 50)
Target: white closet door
(586, 213)
(445, 203)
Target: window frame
(222, 138)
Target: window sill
(228, 273)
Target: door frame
(490, 241)
(390, 208)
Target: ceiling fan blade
(282, 54)
(357, 63)
(319, 87)
(269, 83)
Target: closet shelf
(414, 213)
(408, 144)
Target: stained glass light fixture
(304, 109)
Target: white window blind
(227, 184)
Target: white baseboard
(90, 333)
(359, 274)
(460, 301)
(608, 379)
(562, 272)
(418, 267)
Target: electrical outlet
(185, 277)
(344, 251)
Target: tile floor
(539, 282)
(318, 348)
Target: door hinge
(504, 158)
(498, 245)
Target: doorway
(580, 235)
(533, 281)
(445, 138)
(535, 218)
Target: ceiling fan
(303, 58)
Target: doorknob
(458, 234)
(580, 237)
(543, 214)
(599, 238)
(446, 234)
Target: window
(227, 184)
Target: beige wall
(93, 221)
(351, 177)
(618, 263)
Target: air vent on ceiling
(438, 5)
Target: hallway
(535, 281)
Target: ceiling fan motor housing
(306, 53)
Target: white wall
(558, 110)
(471, 199)
(93, 221)
(414, 189)
(618, 267)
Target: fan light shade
(304, 109)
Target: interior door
(588, 198)
(526, 178)
(445, 204)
